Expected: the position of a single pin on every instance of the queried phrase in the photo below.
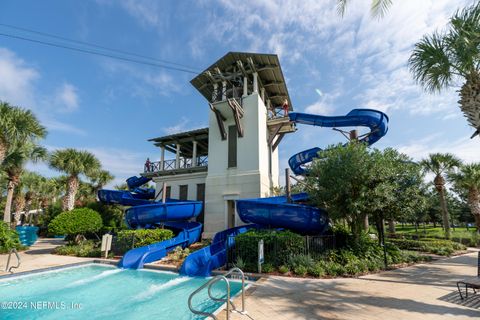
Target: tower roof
(236, 65)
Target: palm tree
(14, 164)
(49, 191)
(378, 7)
(17, 125)
(100, 179)
(74, 163)
(31, 182)
(440, 164)
(468, 179)
(443, 60)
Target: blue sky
(332, 65)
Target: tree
(378, 7)
(14, 164)
(440, 164)
(76, 223)
(443, 59)
(468, 179)
(74, 163)
(17, 126)
(100, 179)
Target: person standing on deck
(147, 165)
(285, 107)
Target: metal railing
(168, 165)
(226, 300)
(9, 268)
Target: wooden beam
(277, 142)
(220, 120)
(237, 114)
(273, 134)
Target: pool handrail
(9, 268)
(209, 283)
(230, 272)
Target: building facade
(237, 155)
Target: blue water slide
(135, 182)
(122, 197)
(376, 120)
(186, 234)
(155, 212)
(201, 263)
(144, 213)
(277, 212)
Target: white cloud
(18, 86)
(67, 98)
(16, 79)
(178, 127)
(466, 149)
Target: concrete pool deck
(423, 291)
(39, 256)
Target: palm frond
(341, 7)
(430, 63)
(380, 7)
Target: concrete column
(255, 82)
(177, 157)
(245, 86)
(224, 90)
(162, 158)
(194, 154)
(215, 92)
(262, 94)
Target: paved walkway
(39, 256)
(424, 291)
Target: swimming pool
(96, 291)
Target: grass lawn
(459, 233)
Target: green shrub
(334, 269)
(431, 245)
(300, 270)
(239, 263)
(85, 249)
(267, 268)
(179, 253)
(76, 222)
(144, 237)
(300, 260)
(283, 269)
(279, 245)
(8, 238)
(317, 270)
(112, 216)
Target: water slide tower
(246, 95)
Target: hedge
(8, 238)
(279, 246)
(77, 221)
(431, 245)
(143, 237)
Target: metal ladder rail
(209, 283)
(8, 268)
(230, 272)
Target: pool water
(105, 292)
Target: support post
(194, 154)
(245, 86)
(164, 192)
(224, 90)
(353, 135)
(162, 158)
(255, 82)
(215, 92)
(262, 94)
(177, 157)
(288, 189)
